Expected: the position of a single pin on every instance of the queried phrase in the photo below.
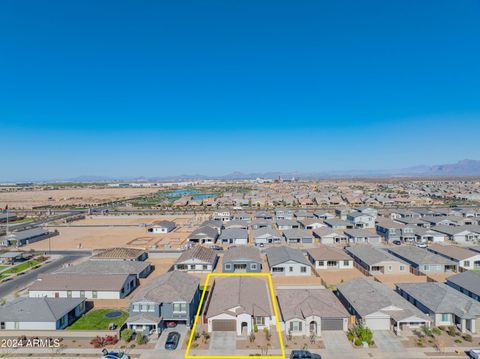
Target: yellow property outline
(275, 311)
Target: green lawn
(96, 320)
(22, 266)
(2, 267)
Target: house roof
(75, 281)
(372, 255)
(263, 231)
(369, 296)
(286, 222)
(201, 253)
(119, 253)
(327, 231)
(21, 235)
(242, 253)
(106, 267)
(302, 303)
(236, 223)
(336, 222)
(235, 233)
(164, 224)
(420, 256)
(297, 233)
(168, 287)
(236, 295)
(204, 232)
(470, 280)
(440, 298)
(388, 223)
(359, 232)
(282, 254)
(323, 252)
(212, 223)
(25, 309)
(456, 252)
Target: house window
(94, 294)
(389, 268)
(303, 269)
(402, 268)
(260, 320)
(179, 307)
(445, 317)
(2, 325)
(290, 269)
(69, 294)
(277, 269)
(151, 308)
(205, 267)
(82, 294)
(320, 263)
(346, 263)
(136, 308)
(295, 326)
(228, 266)
(466, 263)
(253, 266)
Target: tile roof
(323, 252)
(470, 280)
(282, 254)
(44, 309)
(74, 281)
(201, 253)
(242, 253)
(119, 253)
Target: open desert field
(69, 197)
(97, 233)
(332, 277)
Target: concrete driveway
(181, 329)
(223, 342)
(336, 341)
(387, 341)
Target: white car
(474, 353)
(113, 355)
(421, 245)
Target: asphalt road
(22, 281)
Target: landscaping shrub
(436, 331)
(127, 335)
(468, 338)
(140, 339)
(452, 331)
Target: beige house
(328, 257)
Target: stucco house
(467, 283)
(203, 235)
(330, 236)
(463, 256)
(233, 236)
(198, 259)
(287, 261)
(377, 261)
(328, 257)
(161, 227)
(265, 236)
(298, 236)
(242, 259)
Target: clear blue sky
(153, 88)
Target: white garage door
(378, 323)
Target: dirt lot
(391, 280)
(70, 197)
(96, 237)
(441, 277)
(332, 277)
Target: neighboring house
(423, 260)
(377, 261)
(172, 297)
(161, 227)
(140, 269)
(413, 222)
(222, 216)
(282, 213)
(362, 236)
(426, 235)
(336, 223)
(310, 311)
(466, 282)
(312, 223)
(284, 224)
(218, 225)
(23, 238)
(342, 212)
(89, 286)
(236, 224)
(378, 307)
(237, 304)
(264, 236)
(460, 234)
(25, 313)
(242, 216)
(242, 259)
(197, 259)
(300, 236)
(327, 257)
(264, 215)
(287, 261)
(361, 220)
(330, 236)
(203, 235)
(443, 304)
(324, 215)
(12, 257)
(389, 229)
(464, 257)
(123, 254)
(233, 236)
(301, 214)
(367, 210)
(261, 223)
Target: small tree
(251, 337)
(127, 335)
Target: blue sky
(154, 88)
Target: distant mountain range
(459, 169)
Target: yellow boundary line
(275, 311)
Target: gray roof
(22, 235)
(367, 296)
(469, 280)
(262, 231)
(249, 294)
(453, 230)
(297, 233)
(282, 254)
(420, 256)
(168, 288)
(204, 232)
(336, 222)
(451, 251)
(241, 253)
(107, 267)
(359, 232)
(302, 303)
(165, 224)
(371, 255)
(440, 298)
(45, 309)
(233, 233)
(326, 253)
(75, 281)
(203, 254)
(212, 223)
(11, 254)
(238, 223)
(286, 222)
(388, 223)
(326, 231)
(474, 248)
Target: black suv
(303, 354)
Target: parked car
(474, 353)
(171, 324)
(303, 354)
(172, 341)
(113, 355)
(216, 248)
(397, 242)
(421, 245)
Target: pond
(114, 314)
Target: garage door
(332, 324)
(378, 323)
(224, 325)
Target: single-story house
(287, 261)
(140, 269)
(25, 313)
(282, 213)
(261, 223)
(218, 225)
(464, 257)
(467, 282)
(121, 253)
(25, 237)
(361, 220)
(222, 216)
(161, 227)
(198, 259)
(236, 223)
(203, 235)
(237, 304)
(264, 215)
(172, 297)
(242, 259)
(423, 260)
(324, 215)
(378, 307)
(337, 223)
(312, 223)
(377, 261)
(362, 236)
(284, 224)
(242, 216)
(89, 286)
(233, 236)
(443, 304)
(426, 235)
(328, 235)
(301, 236)
(328, 257)
(307, 311)
(459, 234)
(265, 236)
(12, 257)
(302, 214)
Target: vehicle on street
(397, 242)
(172, 341)
(216, 248)
(303, 354)
(421, 245)
(171, 324)
(474, 353)
(113, 355)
